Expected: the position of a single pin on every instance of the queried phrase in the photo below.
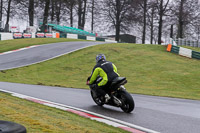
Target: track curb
(16, 50)
(84, 113)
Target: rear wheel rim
(126, 106)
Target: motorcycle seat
(118, 80)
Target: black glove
(88, 80)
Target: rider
(107, 71)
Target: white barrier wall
(112, 41)
(54, 35)
(91, 38)
(72, 36)
(6, 36)
(185, 52)
(48, 35)
(9, 36)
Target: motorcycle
(119, 96)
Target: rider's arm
(115, 69)
(99, 72)
(94, 75)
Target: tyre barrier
(183, 51)
(11, 127)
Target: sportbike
(119, 96)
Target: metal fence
(184, 42)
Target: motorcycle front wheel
(96, 99)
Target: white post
(179, 41)
(195, 44)
(198, 44)
(170, 41)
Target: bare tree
(58, 4)
(152, 17)
(151, 21)
(118, 14)
(144, 29)
(52, 10)
(81, 13)
(186, 13)
(46, 12)
(93, 9)
(71, 5)
(8, 16)
(143, 6)
(1, 10)
(31, 12)
(180, 21)
(162, 8)
(92, 13)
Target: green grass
(149, 69)
(42, 119)
(20, 43)
(192, 48)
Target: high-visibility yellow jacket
(105, 69)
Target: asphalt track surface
(40, 53)
(166, 115)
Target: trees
(56, 9)
(144, 18)
(186, 14)
(149, 19)
(92, 15)
(118, 13)
(52, 10)
(1, 10)
(143, 5)
(81, 13)
(8, 16)
(70, 4)
(162, 8)
(31, 12)
(95, 15)
(46, 12)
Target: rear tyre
(96, 99)
(11, 127)
(128, 102)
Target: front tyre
(128, 102)
(96, 99)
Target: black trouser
(101, 90)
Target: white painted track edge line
(92, 113)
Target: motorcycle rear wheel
(128, 102)
(97, 100)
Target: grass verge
(8, 45)
(149, 69)
(42, 119)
